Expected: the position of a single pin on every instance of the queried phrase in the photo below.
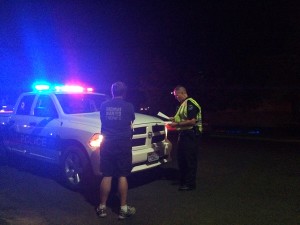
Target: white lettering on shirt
(113, 113)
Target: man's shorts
(116, 158)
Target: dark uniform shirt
(192, 110)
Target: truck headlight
(166, 131)
(95, 140)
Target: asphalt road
(30, 193)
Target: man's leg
(192, 161)
(123, 189)
(181, 160)
(124, 169)
(105, 187)
(125, 210)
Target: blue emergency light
(42, 87)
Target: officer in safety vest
(187, 121)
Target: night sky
(234, 43)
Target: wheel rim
(73, 168)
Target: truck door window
(45, 107)
(25, 105)
(80, 103)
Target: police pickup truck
(61, 125)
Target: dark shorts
(116, 158)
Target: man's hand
(173, 124)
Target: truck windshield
(80, 103)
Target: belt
(190, 131)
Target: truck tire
(3, 151)
(75, 168)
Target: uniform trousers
(187, 152)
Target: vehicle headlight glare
(96, 140)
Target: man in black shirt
(116, 117)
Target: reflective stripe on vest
(181, 115)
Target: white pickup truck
(62, 125)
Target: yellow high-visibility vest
(181, 115)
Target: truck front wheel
(75, 168)
(3, 152)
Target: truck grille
(138, 142)
(148, 135)
(139, 130)
(158, 128)
(158, 138)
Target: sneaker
(124, 215)
(101, 212)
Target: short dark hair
(118, 89)
(180, 88)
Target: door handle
(32, 124)
(11, 122)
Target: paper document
(160, 114)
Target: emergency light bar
(69, 88)
(61, 88)
(42, 87)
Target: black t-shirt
(116, 116)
